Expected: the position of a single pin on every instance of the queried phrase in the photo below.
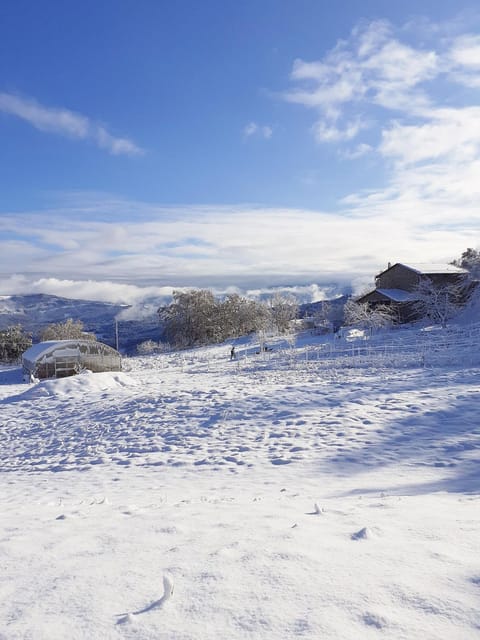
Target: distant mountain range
(35, 311)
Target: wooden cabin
(407, 277)
(395, 287)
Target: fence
(393, 350)
(449, 347)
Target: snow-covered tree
(68, 330)
(14, 341)
(192, 318)
(368, 317)
(195, 317)
(241, 316)
(439, 303)
(329, 315)
(284, 309)
(470, 260)
(148, 347)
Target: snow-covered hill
(329, 489)
(35, 311)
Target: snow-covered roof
(36, 351)
(60, 347)
(397, 295)
(430, 268)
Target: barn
(61, 358)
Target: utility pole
(116, 334)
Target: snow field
(248, 558)
(275, 503)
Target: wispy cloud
(402, 92)
(325, 132)
(254, 129)
(359, 151)
(240, 246)
(375, 69)
(371, 68)
(66, 123)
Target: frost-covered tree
(148, 347)
(240, 316)
(68, 330)
(283, 310)
(192, 318)
(368, 317)
(469, 260)
(321, 317)
(196, 317)
(14, 341)
(329, 315)
(439, 303)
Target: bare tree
(439, 303)
(192, 318)
(195, 317)
(284, 309)
(68, 330)
(241, 316)
(148, 347)
(367, 316)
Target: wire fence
(450, 347)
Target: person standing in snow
(232, 353)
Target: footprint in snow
(374, 620)
(317, 510)
(156, 604)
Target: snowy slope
(286, 494)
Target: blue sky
(234, 144)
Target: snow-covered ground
(328, 490)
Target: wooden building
(396, 286)
(61, 358)
(407, 277)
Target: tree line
(196, 317)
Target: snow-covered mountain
(37, 310)
(34, 312)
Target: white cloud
(324, 132)
(424, 129)
(145, 301)
(254, 129)
(399, 64)
(359, 151)
(247, 247)
(465, 52)
(267, 132)
(65, 122)
(371, 68)
(451, 134)
(116, 146)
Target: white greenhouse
(61, 358)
